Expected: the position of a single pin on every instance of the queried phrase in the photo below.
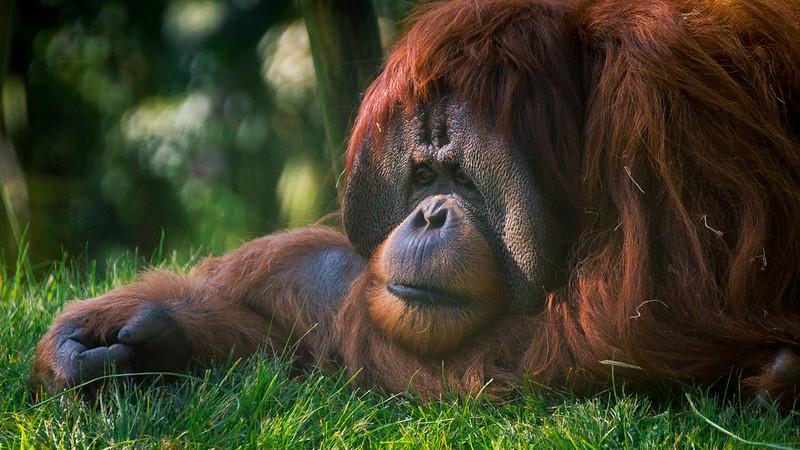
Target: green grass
(258, 403)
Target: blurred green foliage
(192, 119)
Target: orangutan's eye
(423, 175)
(463, 179)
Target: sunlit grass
(261, 403)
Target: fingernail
(124, 335)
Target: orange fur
(673, 124)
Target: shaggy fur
(672, 128)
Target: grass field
(257, 404)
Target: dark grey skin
(466, 158)
(150, 341)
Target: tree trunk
(346, 47)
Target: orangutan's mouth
(426, 296)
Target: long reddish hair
(671, 127)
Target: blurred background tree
(198, 120)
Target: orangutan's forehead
(443, 130)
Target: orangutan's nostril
(437, 218)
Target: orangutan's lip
(425, 296)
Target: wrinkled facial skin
(443, 149)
